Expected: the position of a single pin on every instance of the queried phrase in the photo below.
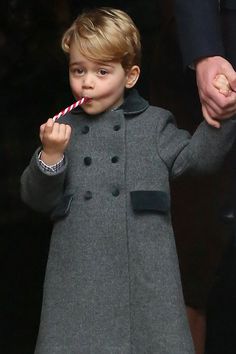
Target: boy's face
(103, 82)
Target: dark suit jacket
(206, 28)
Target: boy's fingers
(50, 122)
(68, 131)
(55, 130)
(222, 84)
(62, 129)
(42, 126)
(225, 92)
(41, 130)
(48, 126)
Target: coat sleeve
(39, 189)
(199, 29)
(202, 153)
(228, 4)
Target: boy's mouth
(86, 99)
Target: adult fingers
(211, 121)
(230, 73)
(220, 106)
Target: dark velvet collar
(133, 104)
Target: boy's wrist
(51, 158)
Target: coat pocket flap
(150, 200)
(63, 207)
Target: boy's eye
(77, 71)
(102, 72)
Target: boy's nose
(88, 81)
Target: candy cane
(68, 109)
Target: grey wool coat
(112, 283)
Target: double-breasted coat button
(115, 192)
(85, 129)
(116, 127)
(87, 160)
(88, 195)
(114, 159)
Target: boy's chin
(91, 111)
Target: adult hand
(55, 138)
(215, 106)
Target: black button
(114, 159)
(85, 129)
(115, 192)
(87, 195)
(87, 160)
(116, 127)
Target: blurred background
(34, 86)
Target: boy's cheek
(75, 85)
(76, 92)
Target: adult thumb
(231, 76)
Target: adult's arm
(201, 42)
(199, 29)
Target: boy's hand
(55, 138)
(222, 84)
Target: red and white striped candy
(68, 109)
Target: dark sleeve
(228, 4)
(42, 189)
(198, 29)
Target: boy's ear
(132, 76)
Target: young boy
(112, 283)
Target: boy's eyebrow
(98, 63)
(75, 63)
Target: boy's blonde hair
(105, 34)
